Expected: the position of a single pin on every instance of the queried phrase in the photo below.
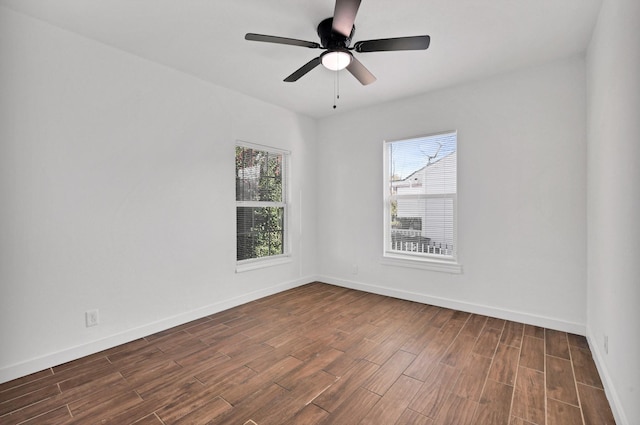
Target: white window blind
(421, 196)
(261, 202)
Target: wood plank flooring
(321, 354)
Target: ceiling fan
(335, 37)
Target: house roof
(428, 165)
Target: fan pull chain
(336, 89)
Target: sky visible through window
(411, 155)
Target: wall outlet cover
(91, 318)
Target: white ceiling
(470, 39)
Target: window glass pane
(258, 175)
(260, 232)
(423, 226)
(408, 160)
(422, 192)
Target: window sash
(415, 243)
(260, 204)
(422, 196)
(259, 232)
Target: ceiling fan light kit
(335, 37)
(336, 60)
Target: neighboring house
(426, 215)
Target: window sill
(246, 265)
(422, 263)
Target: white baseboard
(53, 359)
(72, 353)
(609, 389)
(516, 316)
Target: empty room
(320, 212)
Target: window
(261, 203)
(420, 201)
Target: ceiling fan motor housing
(331, 39)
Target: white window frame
(285, 257)
(438, 262)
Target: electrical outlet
(91, 318)
(354, 268)
(606, 344)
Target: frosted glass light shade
(336, 60)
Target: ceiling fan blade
(357, 69)
(419, 42)
(344, 15)
(303, 70)
(281, 40)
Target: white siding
(436, 214)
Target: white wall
(522, 195)
(117, 192)
(613, 291)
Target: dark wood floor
(321, 354)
